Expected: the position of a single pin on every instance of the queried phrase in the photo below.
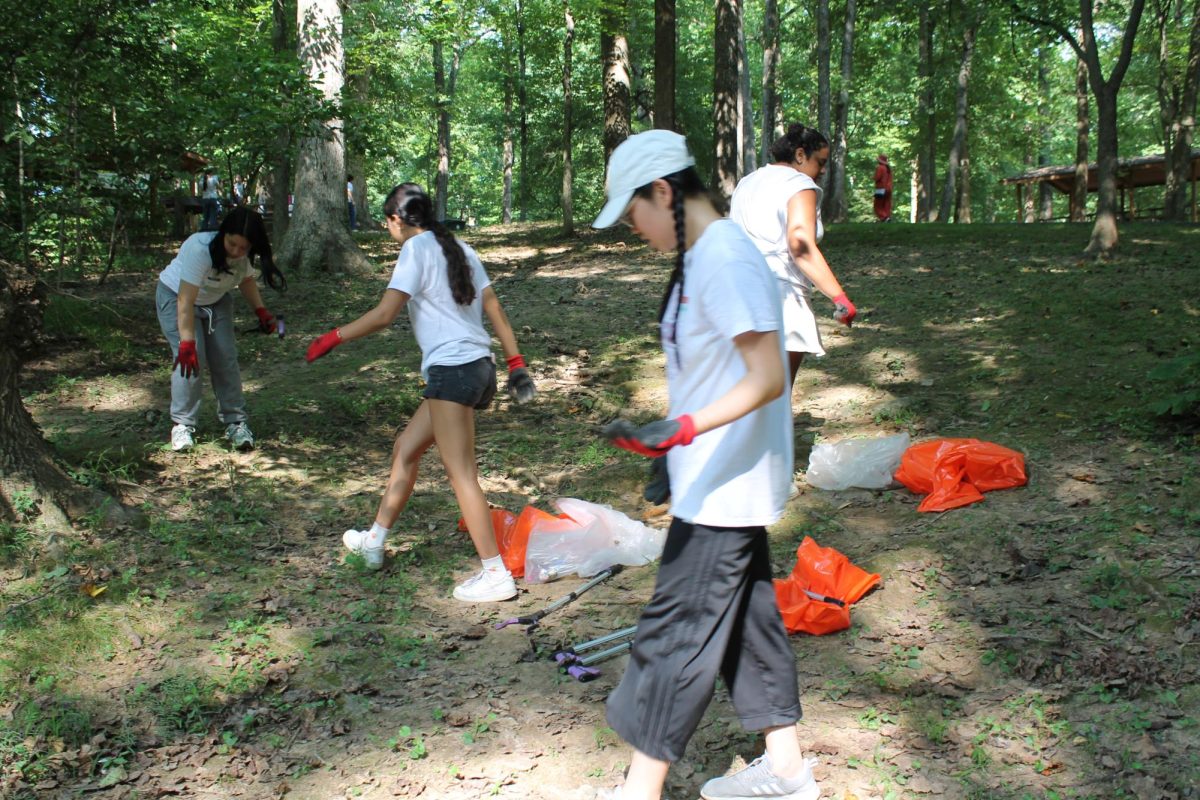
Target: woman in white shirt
(195, 312)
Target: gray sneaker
(758, 781)
(239, 435)
(183, 437)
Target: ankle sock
(495, 565)
(376, 535)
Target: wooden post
(1071, 202)
(1020, 204)
(1132, 204)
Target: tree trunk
(442, 105)
(568, 207)
(770, 93)
(281, 175)
(506, 201)
(319, 239)
(824, 98)
(1177, 110)
(958, 143)
(664, 64)
(360, 86)
(746, 154)
(1079, 191)
(725, 99)
(1045, 190)
(835, 206)
(614, 49)
(523, 104)
(926, 127)
(34, 490)
(962, 206)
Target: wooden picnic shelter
(1132, 174)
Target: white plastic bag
(595, 537)
(862, 463)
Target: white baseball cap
(637, 161)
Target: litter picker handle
(825, 599)
(534, 618)
(583, 674)
(612, 637)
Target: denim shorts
(472, 384)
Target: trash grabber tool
(570, 655)
(533, 619)
(582, 670)
(825, 599)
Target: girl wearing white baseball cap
(727, 439)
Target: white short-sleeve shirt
(737, 475)
(447, 333)
(759, 204)
(194, 265)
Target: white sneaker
(486, 587)
(356, 542)
(183, 437)
(756, 781)
(239, 435)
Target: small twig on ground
(1092, 632)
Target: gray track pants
(713, 612)
(217, 352)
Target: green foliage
(1176, 385)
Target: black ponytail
(798, 137)
(412, 205)
(246, 222)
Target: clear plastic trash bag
(861, 463)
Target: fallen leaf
(92, 590)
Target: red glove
(651, 440)
(520, 385)
(266, 320)
(323, 344)
(186, 359)
(843, 310)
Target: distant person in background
(239, 191)
(264, 197)
(883, 190)
(195, 312)
(350, 203)
(210, 200)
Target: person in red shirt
(883, 190)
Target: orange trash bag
(956, 472)
(827, 573)
(512, 534)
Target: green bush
(1177, 386)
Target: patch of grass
(182, 703)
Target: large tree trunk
(824, 98)
(318, 239)
(926, 122)
(442, 105)
(1177, 111)
(958, 142)
(664, 64)
(962, 206)
(506, 201)
(568, 200)
(770, 92)
(33, 488)
(614, 49)
(1079, 190)
(746, 155)
(725, 99)
(835, 206)
(360, 86)
(283, 16)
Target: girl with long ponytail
(726, 437)
(443, 284)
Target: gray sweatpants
(713, 612)
(217, 352)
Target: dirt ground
(1039, 644)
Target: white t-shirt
(759, 204)
(447, 333)
(737, 475)
(194, 265)
(211, 184)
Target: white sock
(495, 565)
(376, 535)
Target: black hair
(247, 222)
(798, 137)
(684, 183)
(412, 205)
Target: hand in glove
(520, 385)
(266, 320)
(323, 344)
(651, 440)
(186, 359)
(843, 310)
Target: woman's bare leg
(454, 433)
(410, 445)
